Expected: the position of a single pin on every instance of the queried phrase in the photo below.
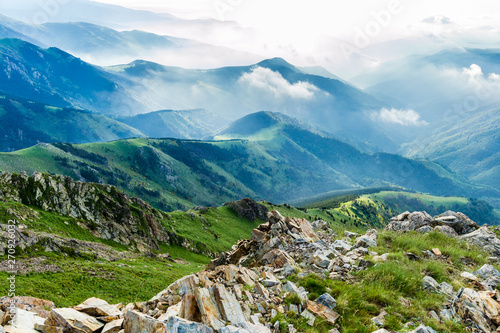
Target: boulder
(485, 239)
(470, 306)
(327, 300)
(229, 307)
(458, 221)
(429, 284)
(446, 230)
(113, 326)
(135, 322)
(323, 311)
(249, 209)
(72, 320)
(97, 307)
(179, 325)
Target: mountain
(25, 123)
(55, 77)
(470, 147)
(185, 124)
(278, 161)
(273, 84)
(101, 45)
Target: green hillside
(279, 163)
(24, 123)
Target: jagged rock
(135, 322)
(458, 221)
(249, 209)
(24, 322)
(430, 285)
(327, 300)
(320, 225)
(185, 285)
(382, 330)
(446, 230)
(342, 246)
(486, 271)
(380, 319)
(113, 326)
(367, 240)
(485, 239)
(39, 306)
(423, 329)
(209, 310)
(410, 221)
(309, 316)
(479, 309)
(468, 276)
(424, 229)
(323, 311)
(98, 307)
(112, 219)
(380, 258)
(228, 305)
(179, 325)
(72, 320)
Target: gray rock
(423, 329)
(178, 325)
(485, 239)
(430, 285)
(458, 221)
(486, 271)
(446, 230)
(424, 229)
(327, 300)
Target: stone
(261, 290)
(430, 285)
(470, 306)
(184, 285)
(423, 329)
(458, 221)
(380, 258)
(254, 328)
(342, 246)
(39, 306)
(327, 300)
(309, 316)
(382, 330)
(468, 276)
(188, 309)
(437, 252)
(446, 288)
(228, 305)
(425, 229)
(113, 326)
(178, 325)
(277, 258)
(410, 222)
(98, 307)
(323, 311)
(209, 310)
(380, 319)
(249, 209)
(24, 322)
(486, 271)
(485, 239)
(446, 230)
(73, 320)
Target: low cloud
(267, 80)
(400, 117)
(438, 19)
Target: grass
(385, 285)
(119, 281)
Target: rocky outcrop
(249, 209)
(449, 223)
(107, 212)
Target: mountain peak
(277, 62)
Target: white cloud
(438, 19)
(267, 80)
(400, 117)
(474, 71)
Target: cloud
(474, 72)
(267, 80)
(437, 19)
(400, 117)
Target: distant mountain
(185, 124)
(273, 84)
(24, 123)
(57, 78)
(104, 46)
(470, 147)
(278, 161)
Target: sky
(347, 34)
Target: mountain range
(273, 158)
